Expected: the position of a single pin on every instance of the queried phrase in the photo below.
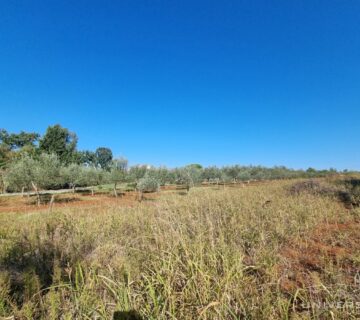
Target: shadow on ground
(127, 315)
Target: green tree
(5, 155)
(147, 184)
(118, 172)
(18, 140)
(104, 157)
(188, 176)
(72, 175)
(21, 174)
(48, 172)
(91, 177)
(59, 141)
(137, 172)
(87, 158)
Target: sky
(178, 82)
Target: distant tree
(21, 175)
(87, 158)
(161, 174)
(211, 174)
(137, 172)
(18, 140)
(147, 184)
(118, 172)
(188, 176)
(195, 173)
(14, 146)
(5, 155)
(91, 177)
(60, 141)
(104, 157)
(72, 175)
(195, 165)
(48, 172)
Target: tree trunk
(92, 191)
(140, 196)
(115, 192)
(73, 188)
(51, 202)
(22, 191)
(37, 193)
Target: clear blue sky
(178, 82)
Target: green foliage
(118, 170)
(148, 184)
(21, 174)
(92, 176)
(188, 176)
(87, 158)
(60, 141)
(47, 172)
(18, 140)
(162, 174)
(73, 175)
(137, 172)
(103, 157)
(5, 155)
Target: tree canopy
(59, 141)
(104, 157)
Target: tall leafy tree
(18, 140)
(23, 143)
(59, 141)
(104, 157)
(87, 158)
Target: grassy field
(257, 252)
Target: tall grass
(211, 254)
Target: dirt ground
(28, 203)
(304, 262)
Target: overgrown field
(257, 252)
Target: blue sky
(178, 82)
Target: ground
(234, 252)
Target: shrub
(148, 184)
(313, 187)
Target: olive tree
(162, 174)
(147, 184)
(72, 175)
(118, 172)
(91, 177)
(48, 172)
(137, 172)
(188, 176)
(21, 174)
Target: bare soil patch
(329, 244)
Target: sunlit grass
(211, 254)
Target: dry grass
(211, 254)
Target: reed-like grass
(211, 254)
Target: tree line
(29, 161)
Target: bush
(148, 184)
(313, 187)
(352, 187)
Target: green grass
(211, 254)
